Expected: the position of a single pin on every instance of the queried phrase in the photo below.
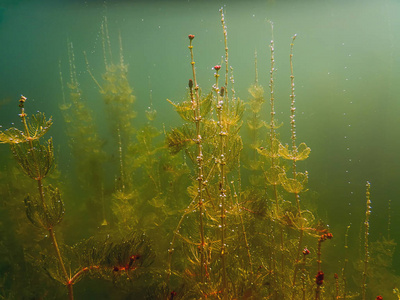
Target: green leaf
(47, 210)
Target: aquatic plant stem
(303, 275)
(62, 83)
(222, 112)
(39, 178)
(106, 39)
(243, 229)
(389, 220)
(366, 233)
(336, 286)
(198, 200)
(255, 115)
(236, 196)
(61, 262)
(272, 138)
(222, 176)
(226, 48)
(320, 274)
(81, 272)
(293, 124)
(272, 132)
(91, 74)
(295, 150)
(121, 162)
(195, 99)
(346, 260)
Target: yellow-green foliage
(198, 213)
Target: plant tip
(319, 278)
(222, 91)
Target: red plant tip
(222, 91)
(379, 298)
(217, 67)
(173, 294)
(306, 251)
(336, 276)
(134, 257)
(190, 83)
(319, 278)
(326, 236)
(191, 36)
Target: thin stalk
(303, 275)
(272, 132)
(319, 261)
(294, 149)
(320, 275)
(91, 74)
(39, 178)
(272, 137)
(60, 260)
(106, 38)
(195, 99)
(255, 118)
(62, 83)
(222, 174)
(237, 201)
(72, 66)
(336, 286)
(366, 249)
(318, 288)
(226, 48)
(389, 220)
(121, 162)
(81, 272)
(346, 260)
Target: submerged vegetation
(203, 212)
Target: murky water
(345, 67)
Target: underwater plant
(118, 98)
(281, 228)
(197, 211)
(85, 143)
(213, 144)
(46, 208)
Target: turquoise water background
(346, 60)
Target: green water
(346, 79)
